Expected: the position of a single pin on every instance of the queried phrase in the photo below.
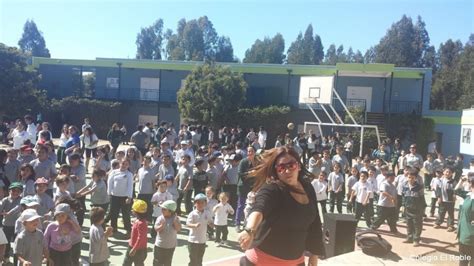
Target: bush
(357, 112)
(370, 142)
(424, 135)
(73, 110)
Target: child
(326, 163)
(400, 181)
(65, 170)
(361, 191)
(314, 164)
(434, 185)
(136, 252)
(98, 190)
(211, 203)
(213, 173)
(429, 171)
(160, 196)
(413, 201)
(387, 203)
(230, 178)
(197, 221)
(320, 186)
(221, 212)
(46, 203)
(184, 181)
(146, 179)
(27, 177)
(119, 156)
(166, 226)
(171, 187)
(29, 247)
(200, 177)
(166, 167)
(44, 167)
(335, 188)
(10, 209)
(446, 199)
(402, 162)
(26, 154)
(26, 203)
(59, 235)
(358, 163)
(155, 160)
(62, 182)
(102, 162)
(98, 249)
(12, 166)
(78, 177)
(350, 183)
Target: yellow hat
(139, 206)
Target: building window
(149, 88)
(466, 135)
(112, 83)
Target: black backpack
(373, 245)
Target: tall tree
(32, 41)
(331, 56)
(421, 43)
(149, 41)
(295, 54)
(224, 50)
(350, 55)
(340, 55)
(210, 37)
(270, 51)
(465, 75)
(318, 50)
(358, 57)
(307, 50)
(369, 56)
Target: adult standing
(31, 129)
(114, 136)
(413, 159)
(140, 139)
(120, 189)
(262, 137)
(284, 222)
(89, 141)
(466, 218)
(19, 135)
(87, 124)
(245, 183)
(61, 153)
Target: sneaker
(451, 229)
(225, 243)
(436, 226)
(218, 244)
(408, 241)
(416, 244)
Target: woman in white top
(19, 135)
(320, 186)
(62, 144)
(89, 141)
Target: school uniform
(350, 203)
(434, 185)
(197, 236)
(98, 249)
(220, 220)
(465, 232)
(120, 185)
(386, 207)
(320, 188)
(446, 193)
(336, 180)
(165, 242)
(414, 203)
(362, 191)
(156, 200)
(29, 245)
(13, 206)
(429, 167)
(146, 188)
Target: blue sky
(107, 28)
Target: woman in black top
(284, 222)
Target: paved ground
(438, 248)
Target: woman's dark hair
(91, 133)
(265, 171)
(30, 167)
(104, 151)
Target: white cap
(29, 215)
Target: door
(357, 95)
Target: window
(112, 83)
(466, 135)
(149, 89)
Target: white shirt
(362, 190)
(222, 211)
(120, 183)
(89, 142)
(159, 198)
(320, 189)
(262, 138)
(380, 179)
(19, 138)
(372, 181)
(32, 130)
(198, 234)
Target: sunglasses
(280, 168)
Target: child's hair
(223, 194)
(186, 156)
(372, 168)
(115, 164)
(99, 172)
(338, 165)
(211, 189)
(323, 173)
(364, 173)
(120, 153)
(74, 157)
(367, 160)
(160, 182)
(103, 149)
(412, 172)
(62, 179)
(357, 170)
(97, 215)
(42, 148)
(147, 158)
(73, 203)
(384, 167)
(28, 166)
(65, 167)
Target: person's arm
(129, 188)
(75, 226)
(246, 237)
(110, 183)
(230, 209)
(191, 223)
(176, 223)
(142, 234)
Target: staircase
(377, 119)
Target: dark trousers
(232, 191)
(336, 198)
(239, 214)
(221, 230)
(351, 205)
(138, 259)
(80, 213)
(349, 157)
(367, 210)
(162, 256)
(443, 208)
(104, 263)
(414, 218)
(246, 262)
(76, 254)
(433, 206)
(61, 155)
(389, 214)
(10, 235)
(399, 204)
(199, 186)
(323, 203)
(427, 180)
(118, 204)
(60, 257)
(196, 253)
(186, 196)
(466, 254)
(149, 206)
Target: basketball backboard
(316, 89)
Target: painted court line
(224, 259)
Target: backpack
(373, 245)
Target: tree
(369, 56)
(331, 56)
(18, 91)
(224, 50)
(193, 41)
(465, 75)
(212, 94)
(421, 42)
(350, 55)
(270, 51)
(307, 50)
(32, 41)
(340, 55)
(358, 57)
(149, 41)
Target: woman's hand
(313, 260)
(245, 240)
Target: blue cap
(200, 196)
(169, 178)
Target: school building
(149, 88)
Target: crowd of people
(211, 177)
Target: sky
(88, 29)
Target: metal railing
(404, 107)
